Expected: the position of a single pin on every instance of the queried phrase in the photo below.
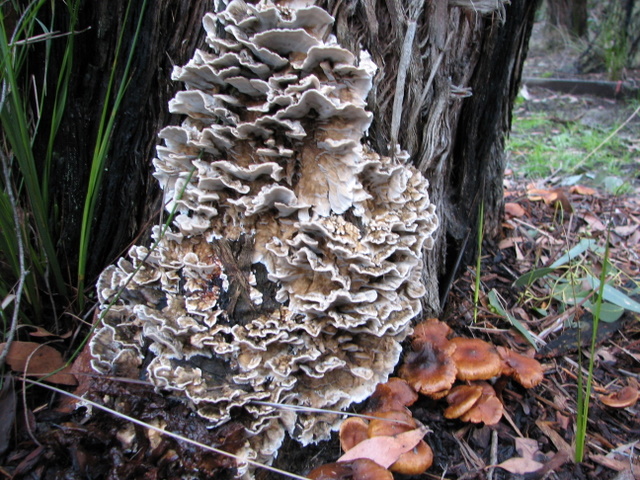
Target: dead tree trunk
(461, 80)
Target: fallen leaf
(594, 222)
(385, 450)
(40, 360)
(559, 442)
(514, 210)
(625, 230)
(527, 448)
(7, 412)
(520, 466)
(41, 332)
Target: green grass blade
(105, 129)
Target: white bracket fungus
(292, 269)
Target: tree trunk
(461, 82)
(570, 15)
(171, 30)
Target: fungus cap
(525, 370)
(433, 331)
(359, 469)
(623, 398)
(429, 370)
(414, 462)
(353, 430)
(461, 399)
(475, 359)
(395, 394)
(488, 409)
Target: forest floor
(548, 213)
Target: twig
(23, 272)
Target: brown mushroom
(391, 423)
(359, 469)
(352, 431)
(433, 331)
(429, 370)
(461, 399)
(487, 409)
(415, 461)
(475, 359)
(392, 395)
(623, 398)
(525, 370)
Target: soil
(50, 441)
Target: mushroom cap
(461, 399)
(525, 370)
(395, 394)
(359, 469)
(433, 331)
(428, 369)
(353, 431)
(488, 408)
(391, 423)
(623, 398)
(475, 359)
(415, 461)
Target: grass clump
(37, 281)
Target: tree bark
(459, 91)
(170, 32)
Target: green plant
(570, 283)
(39, 274)
(584, 392)
(540, 147)
(480, 235)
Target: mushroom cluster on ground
(437, 361)
(281, 213)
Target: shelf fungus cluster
(291, 269)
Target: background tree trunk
(570, 15)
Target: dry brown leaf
(520, 465)
(40, 360)
(559, 442)
(41, 332)
(582, 190)
(385, 450)
(527, 448)
(514, 210)
(594, 222)
(625, 230)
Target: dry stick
(175, 436)
(23, 273)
